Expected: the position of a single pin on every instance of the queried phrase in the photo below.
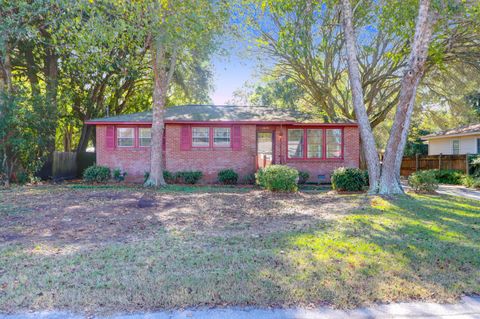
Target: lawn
(110, 249)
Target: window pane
(200, 136)
(145, 136)
(456, 147)
(221, 136)
(334, 143)
(125, 137)
(295, 143)
(478, 145)
(314, 143)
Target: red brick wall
(210, 161)
(135, 161)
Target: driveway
(458, 190)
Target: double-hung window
(221, 136)
(200, 136)
(125, 137)
(144, 136)
(314, 143)
(455, 147)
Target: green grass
(409, 248)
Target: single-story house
(210, 138)
(457, 141)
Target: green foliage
(303, 177)
(118, 175)
(99, 174)
(249, 179)
(471, 181)
(449, 176)
(169, 177)
(349, 179)
(228, 176)
(475, 167)
(188, 177)
(423, 181)
(278, 178)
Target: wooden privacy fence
(411, 164)
(66, 165)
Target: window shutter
(110, 136)
(186, 138)
(236, 137)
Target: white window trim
(117, 137)
(223, 144)
(203, 145)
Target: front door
(265, 152)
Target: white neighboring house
(460, 140)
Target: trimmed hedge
(449, 176)
(278, 178)
(349, 179)
(99, 174)
(227, 176)
(423, 181)
(303, 177)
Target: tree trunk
(390, 178)
(5, 92)
(366, 133)
(84, 138)
(160, 84)
(51, 80)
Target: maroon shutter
(186, 138)
(110, 135)
(236, 137)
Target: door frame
(272, 132)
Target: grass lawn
(115, 249)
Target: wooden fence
(411, 164)
(66, 165)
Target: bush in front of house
(188, 177)
(228, 176)
(349, 179)
(449, 176)
(118, 175)
(303, 177)
(471, 181)
(169, 177)
(278, 178)
(423, 181)
(248, 179)
(99, 174)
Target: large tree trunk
(390, 178)
(84, 138)
(368, 141)
(5, 92)
(51, 80)
(161, 79)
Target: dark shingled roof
(470, 129)
(185, 113)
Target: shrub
(471, 182)
(475, 167)
(423, 181)
(227, 176)
(118, 175)
(169, 177)
(248, 179)
(278, 178)
(449, 176)
(189, 177)
(303, 177)
(99, 174)
(349, 179)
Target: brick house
(209, 138)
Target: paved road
(467, 308)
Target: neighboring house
(210, 138)
(461, 140)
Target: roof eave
(427, 137)
(293, 123)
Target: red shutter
(110, 135)
(236, 137)
(186, 138)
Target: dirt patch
(63, 216)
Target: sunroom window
(334, 143)
(200, 136)
(145, 136)
(221, 136)
(125, 137)
(314, 143)
(295, 143)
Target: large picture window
(144, 136)
(295, 143)
(315, 143)
(125, 137)
(221, 136)
(200, 136)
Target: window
(221, 136)
(125, 137)
(456, 147)
(314, 143)
(295, 143)
(144, 136)
(334, 143)
(478, 145)
(200, 136)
